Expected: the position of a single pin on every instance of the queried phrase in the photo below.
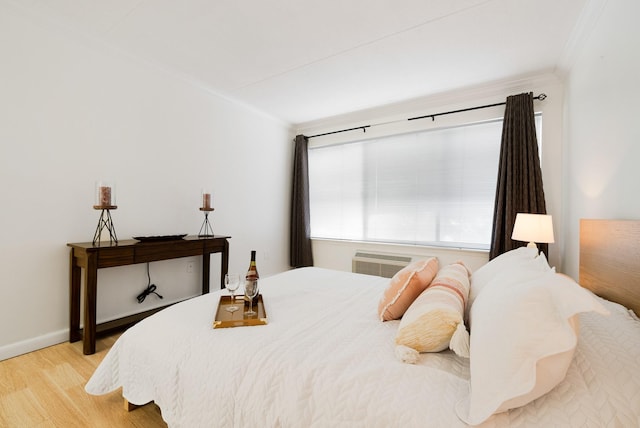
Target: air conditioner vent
(380, 264)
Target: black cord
(151, 288)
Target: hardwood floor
(45, 388)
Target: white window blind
(433, 187)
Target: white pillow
(522, 343)
(513, 267)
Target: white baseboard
(29, 345)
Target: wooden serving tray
(238, 318)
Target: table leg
(74, 300)
(206, 271)
(224, 268)
(91, 282)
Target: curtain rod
(432, 116)
(364, 129)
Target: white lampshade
(533, 228)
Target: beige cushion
(431, 320)
(405, 286)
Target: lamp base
(532, 245)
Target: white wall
(591, 141)
(603, 136)
(73, 111)
(337, 255)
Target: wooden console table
(127, 252)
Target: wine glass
(250, 290)
(232, 282)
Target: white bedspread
(326, 360)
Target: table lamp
(533, 228)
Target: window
(433, 187)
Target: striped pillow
(434, 321)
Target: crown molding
(585, 24)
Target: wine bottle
(252, 275)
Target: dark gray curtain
(300, 244)
(519, 188)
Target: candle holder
(105, 202)
(206, 230)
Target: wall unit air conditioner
(380, 264)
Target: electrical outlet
(189, 267)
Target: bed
(326, 359)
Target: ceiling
(303, 60)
